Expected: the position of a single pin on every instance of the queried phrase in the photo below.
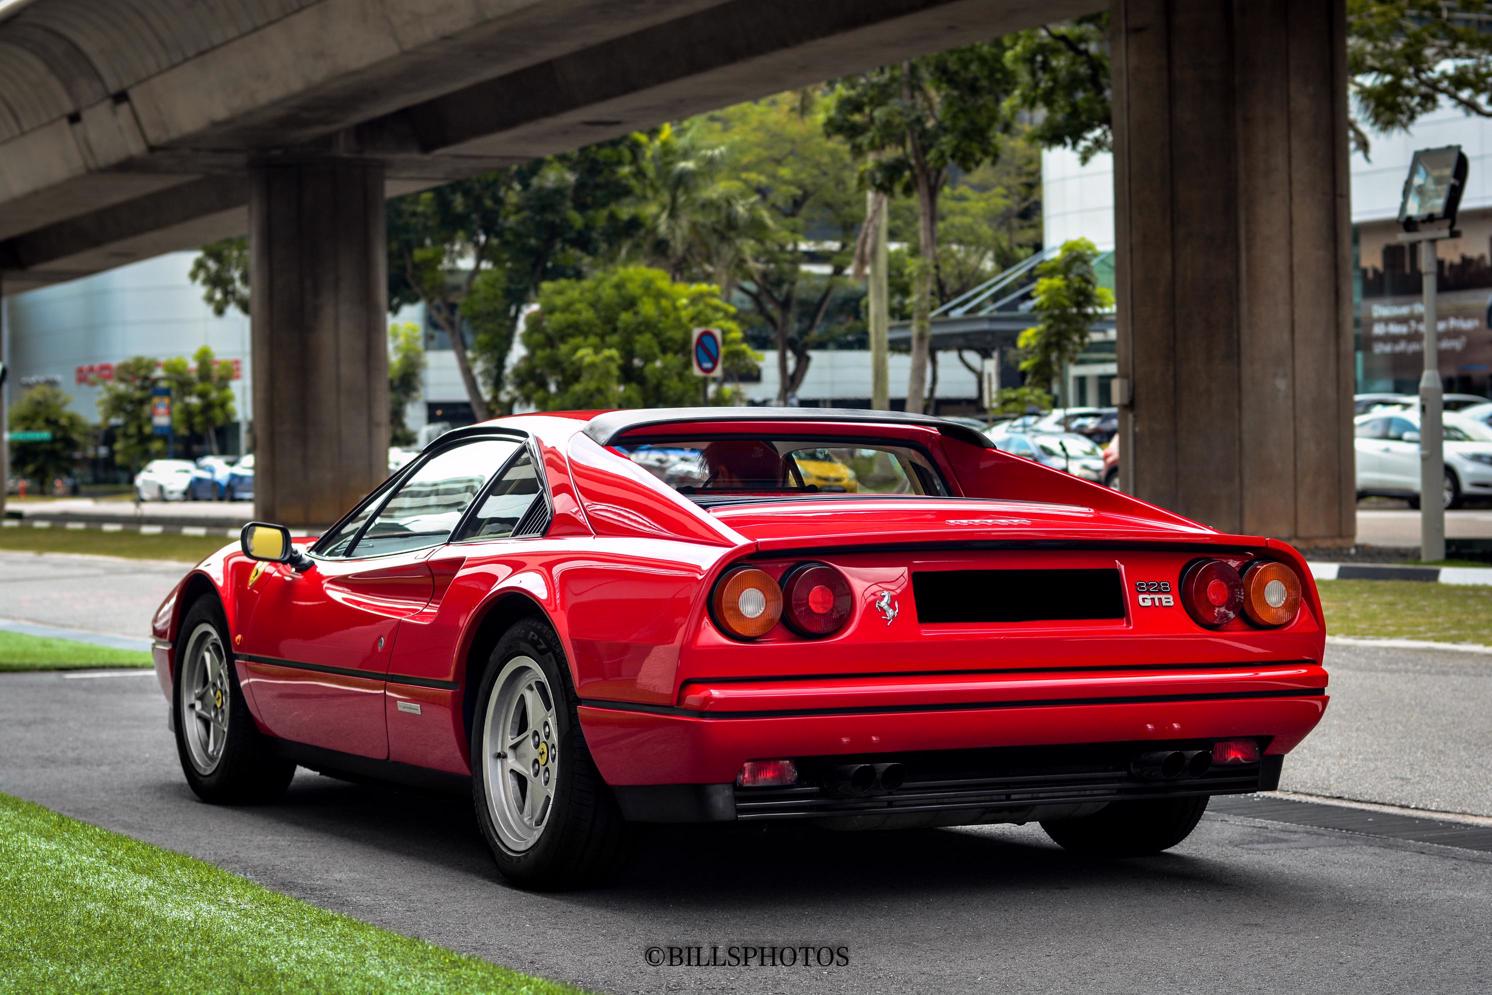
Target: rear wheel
(1451, 489)
(547, 815)
(223, 755)
(1129, 829)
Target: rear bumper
(719, 726)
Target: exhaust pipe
(853, 779)
(1198, 762)
(1162, 765)
(891, 776)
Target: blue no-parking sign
(706, 352)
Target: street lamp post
(1427, 213)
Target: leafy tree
(406, 378)
(621, 339)
(911, 123)
(201, 395)
(1020, 400)
(1406, 56)
(1403, 58)
(513, 228)
(694, 217)
(223, 270)
(778, 156)
(124, 405)
(1067, 301)
(45, 408)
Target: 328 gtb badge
(1154, 594)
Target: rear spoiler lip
(1205, 542)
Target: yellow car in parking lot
(820, 469)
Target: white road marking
(74, 526)
(194, 530)
(151, 530)
(1408, 644)
(111, 527)
(92, 674)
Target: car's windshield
(1069, 445)
(1467, 430)
(739, 466)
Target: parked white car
(164, 480)
(1388, 456)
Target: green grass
(85, 909)
(188, 549)
(19, 651)
(1402, 609)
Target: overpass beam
(319, 328)
(1234, 287)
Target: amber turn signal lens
(747, 603)
(1271, 594)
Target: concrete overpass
(132, 127)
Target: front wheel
(223, 755)
(1129, 829)
(544, 810)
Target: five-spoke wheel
(205, 697)
(520, 745)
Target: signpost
(1427, 213)
(160, 414)
(705, 352)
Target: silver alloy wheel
(205, 691)
(520, 751)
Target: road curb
(1472, 576)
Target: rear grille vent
(1017, 595)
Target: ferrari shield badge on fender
(254, 574)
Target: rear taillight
(1271, 594)
(817, 600)
(1212, 591)
(747, 603)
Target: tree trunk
(927, 241)
(784, 380)
(880, 374)
(452, 327)
(801, 359)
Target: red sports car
(861, 618)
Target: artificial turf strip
(1401, 609)
(85, 909)
(19, 651)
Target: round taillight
(747, 603)
(1212, 591)
(817, 599)
(1271, 594)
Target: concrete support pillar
(4, 406)
(319, 322)
(1234, 289)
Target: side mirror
(1410, 436)
(271, 543)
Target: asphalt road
(1244, 905)
(1406, 727)
(1400, 526)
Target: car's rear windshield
(722, 469)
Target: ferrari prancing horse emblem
(254, 574)
(887, 606)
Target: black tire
(1453, 489)
(228, 494)
(247, 771)
(584, 837)
(1129, 829)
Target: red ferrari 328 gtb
(860, 618)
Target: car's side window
(1375, 428)
(511, 501)
(425, 509)
(1398, 426)
(1017, 444)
